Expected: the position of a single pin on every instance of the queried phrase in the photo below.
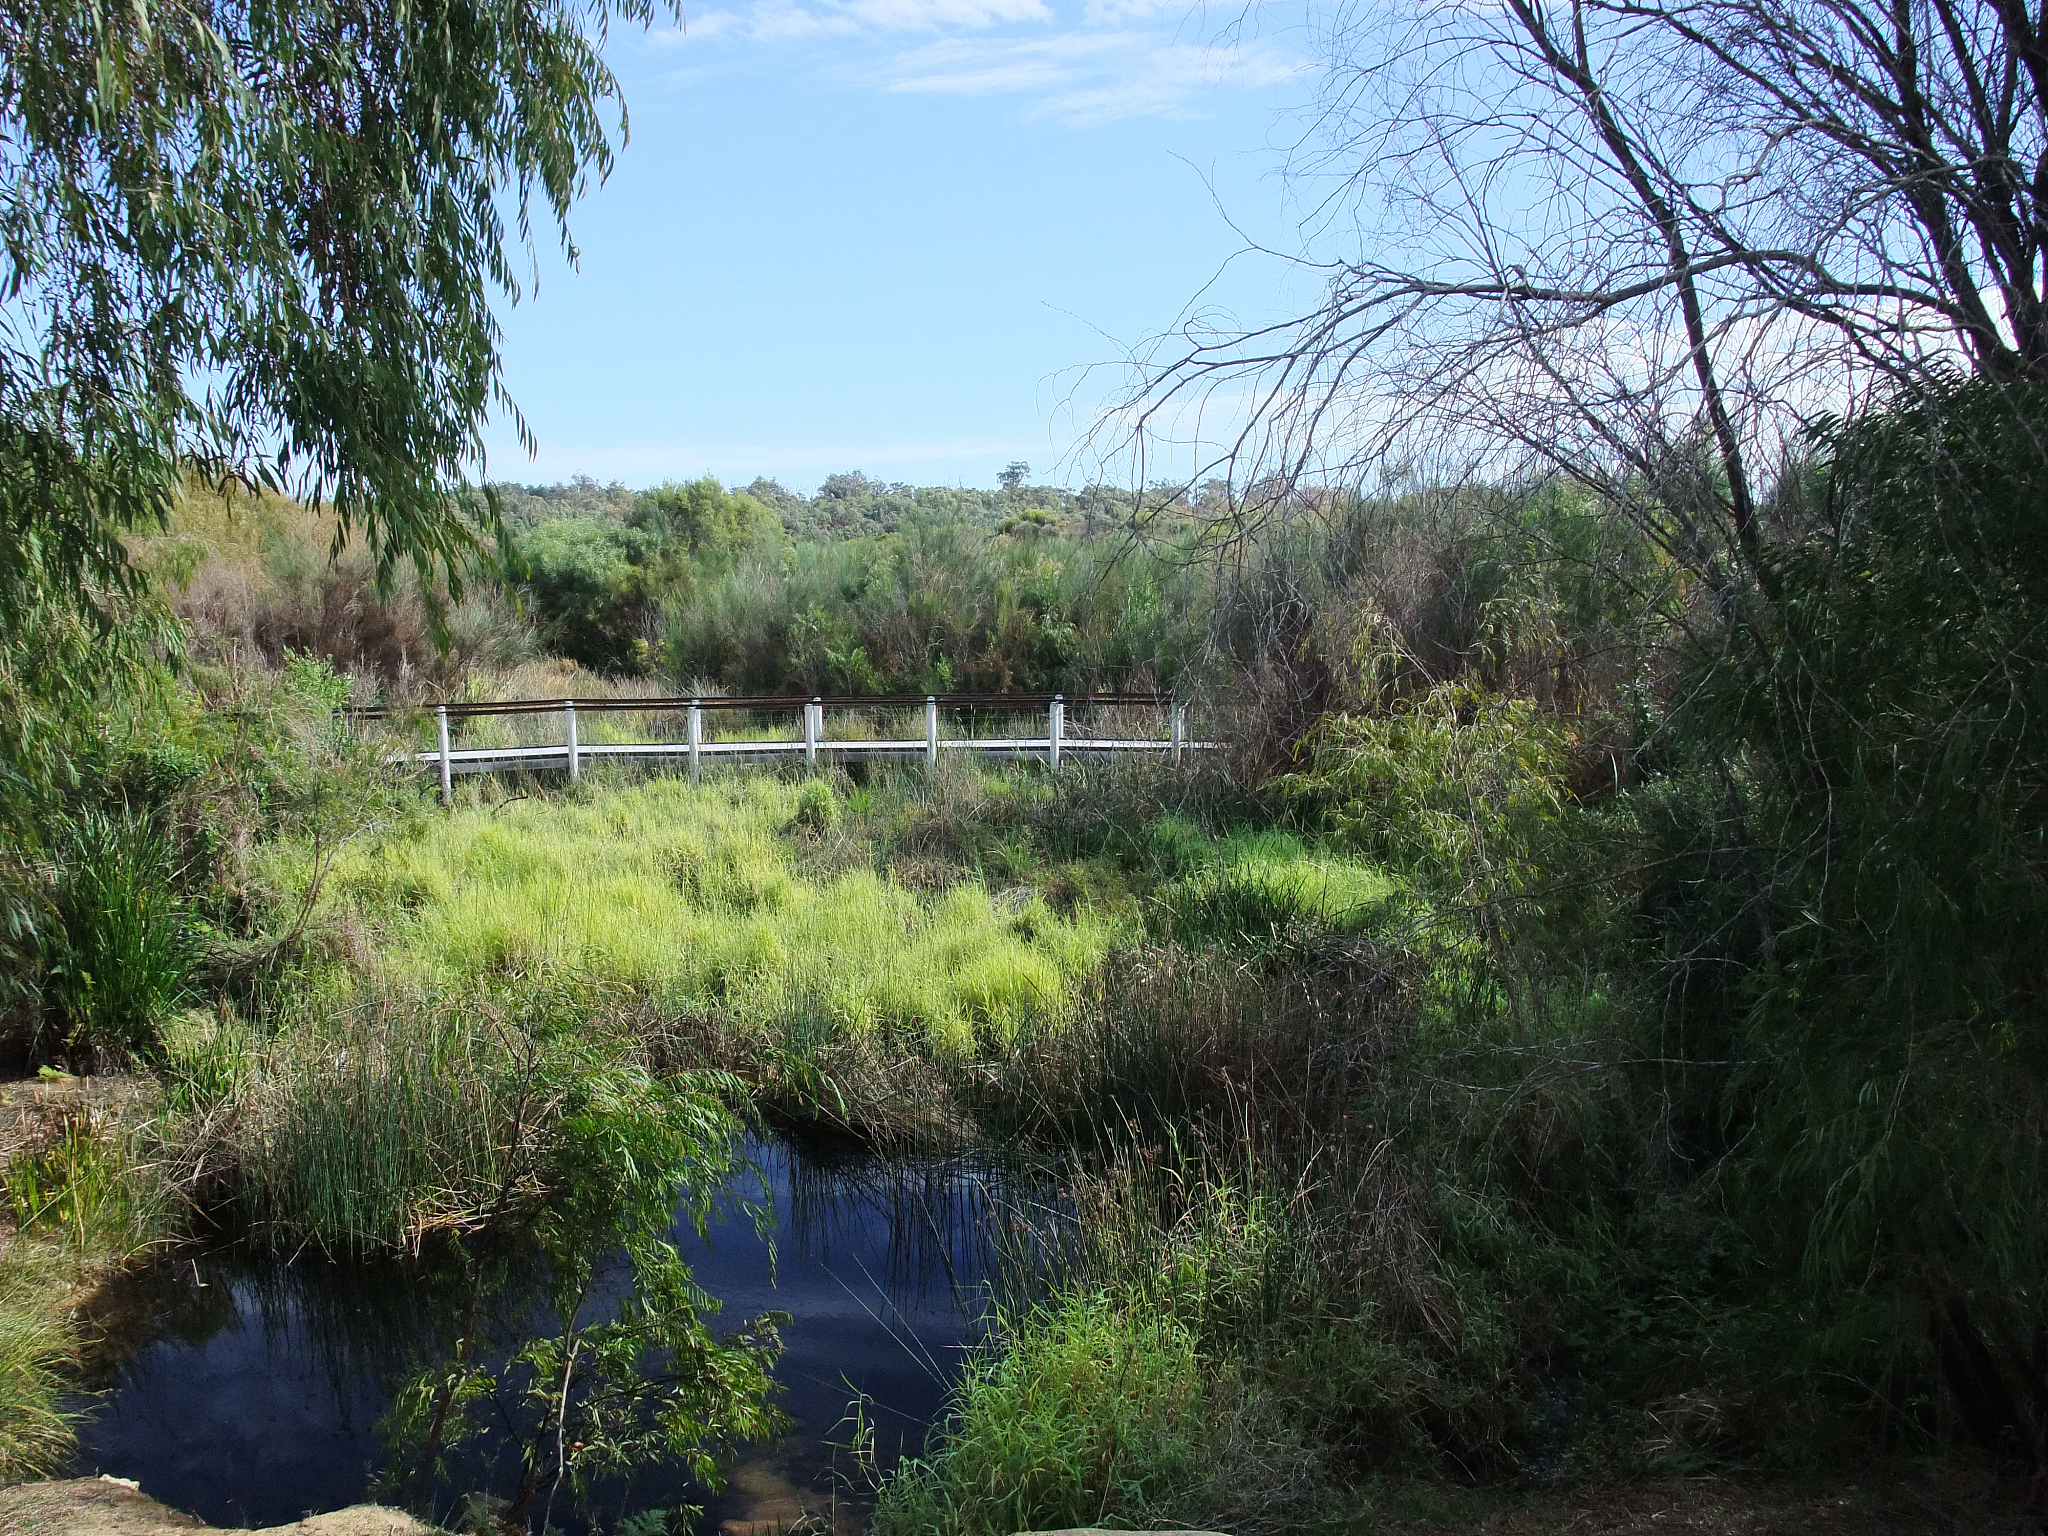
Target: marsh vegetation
(1588, 1019)
(1426, 1082)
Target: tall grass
(1089, 1412)
(694, 898)
(38, 1353)
(374, 1122)
(125, 955)
(84, 1195)
(1268, 890)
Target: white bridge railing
(696, 748)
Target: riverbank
(104, 1506)
(1880, 1505)
(1358, 1187)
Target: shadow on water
(246, 1389)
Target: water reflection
(246, 1390)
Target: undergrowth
(695, 897)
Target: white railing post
(814, 727)
(1180, 729)
(447, 783)
(931, 731)
(569, 718)
(696, 737)
(1055, 722)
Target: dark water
(246, 1390)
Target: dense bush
(593, 583)
(1890, 707)
(940, 609)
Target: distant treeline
(864, 587)
(854, 505)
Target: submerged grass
(82, 1194)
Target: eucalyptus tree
(260, 240)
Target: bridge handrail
(777, 702)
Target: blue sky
(899, 236)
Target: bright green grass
(37, 1357)
(1093, 1413)
(694, 896)
(1340, 890)
(1262, 886)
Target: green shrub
(1091, 1411)
(124, 957)
(1883, 725)
(817, 808)
(314, 679)
(1456, 786)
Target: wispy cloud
(1088, 76)
(772, 21)
(1102, 61)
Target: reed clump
(38, 1358)
(1088, 1411)
(84, 1191)
(695, 897)
(384, 1120)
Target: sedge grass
(1092, 1413)
(693, 896)
(81, 1199)
(38, 1356)
(375, 1122)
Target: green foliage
(302, 207)
(594, 582)
(937, 608)
(1458, 785)
(124, 957)
(37, 1354)
(314, 679)
(702, 519)
(856, 506)
(380, 1124)
(817, 808)
(84, 1196)
(588, 590)
(1268, 892)
(79, 1182)
(1090, 1412)
(593, 1155)
(692, 897)
(1889, 709)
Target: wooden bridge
(696, 748)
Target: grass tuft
(1090, 1414)
(692, 897)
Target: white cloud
(1086, 77)
(775, 21)
(1114, 13)
(963, 67)
(1100, 61)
